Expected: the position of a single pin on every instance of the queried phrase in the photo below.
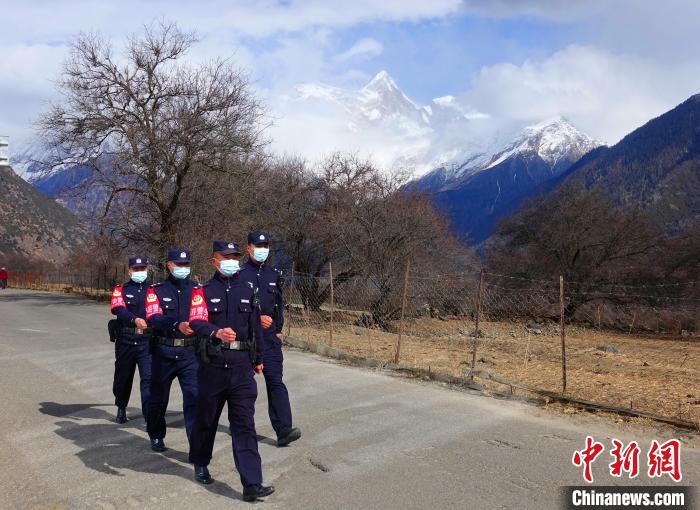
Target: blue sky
(607, 66)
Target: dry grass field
(656, 374)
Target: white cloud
(364, 48)
(605, 94)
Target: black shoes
(253, 492)
(121, 415)
(201, 474)
(158, 445)
(292, 435)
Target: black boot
(201, 474)
(121, 415)
(287, 437)
(253, 492)
(158, 445)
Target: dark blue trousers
(236, 387)
(277, 396)
(169, 363)
(129, 354)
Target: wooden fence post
(403, 311)
(563, 333)
(479, 299)
(330, 271)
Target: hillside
(657, 167)
(32, 225)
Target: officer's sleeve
(118, 307)
(259, 338)
(199, 315)
(279, 303)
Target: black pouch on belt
(113, 328)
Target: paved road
(370, 440)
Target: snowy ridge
(553, 140)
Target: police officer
(168, 311)
(267, 279)
(131, 347)
(225, 314)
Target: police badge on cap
(257, 237)
(138, 261)
(179, 255)
(225, 247)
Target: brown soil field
(656, 374)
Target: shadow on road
(110, 447)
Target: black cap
(138, 261)
(179, 255)
(225, 247)
(258, 237)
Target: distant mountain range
(482, 190)
(478, 174)
(32, 225)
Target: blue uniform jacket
(267, 279)
(230, 302)
(129, 303)
(173, 300)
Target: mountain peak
(381, 81)
(556, 122)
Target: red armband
(198, 308)
(152, 303)
(117, 299)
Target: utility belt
(206, 350)
(136, 331)
(235, 346)
(175, 342)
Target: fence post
(291, 293)
(403, 311)
(479, 299)
(330, 272)
(563, 333)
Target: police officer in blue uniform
(131, 346)
(267, 279)
(168, 310)
(224, 313)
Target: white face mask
(139, 276)
(261, 254)
(229, 267)
(180, 272)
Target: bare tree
(143, 122)
(577, 233)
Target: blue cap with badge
(179, 255)
(258, 237)
(138, 261)
(225, 247)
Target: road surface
(370, 440)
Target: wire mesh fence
(630, 347)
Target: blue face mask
(260, 254)
(229, 267)
(180, 272)
(139, 276)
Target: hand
(258, 369)
(185, 328)
(226, 335)
(140, 323)
(266, 321)
(279, 335)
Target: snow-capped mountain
(478, 192)
(380, 119)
